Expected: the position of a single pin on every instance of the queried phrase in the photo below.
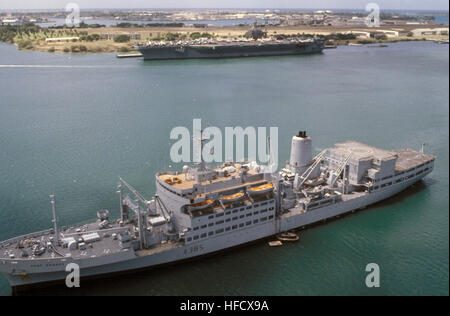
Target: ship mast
(201, 164)
(55, 221)
(122, 208)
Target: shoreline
(103, 39)
(132, 51)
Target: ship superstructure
(202, 210)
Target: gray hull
(230, 51)
(293, 219)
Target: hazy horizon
(436, 5)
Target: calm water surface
(71, 124)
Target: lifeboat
(262, 189)
(232, 198)
(201, 205)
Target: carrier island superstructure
(202, 210)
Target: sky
(304, 4)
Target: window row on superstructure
(403, 176)
(229, 228)
(231, 219)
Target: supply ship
(210, 48)
(204, 210)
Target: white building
(359, 34)
(9, 21)
(61, 39)
(388, 33)
(431, 31)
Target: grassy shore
(89, 41)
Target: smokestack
(301, 153)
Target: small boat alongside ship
(288, 237)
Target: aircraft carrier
(203, 210)
(208, 48)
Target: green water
(71, 124)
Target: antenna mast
(122, 209)
(55, 221)
(201, 140)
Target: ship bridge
(197, 183)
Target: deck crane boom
(340, 168)
(136, 193)
(299, 180)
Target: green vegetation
(122, 38)
(82, 25)
(197, 35)
(9, 32)
(207, 35)
(27, 35)
(171, 36)
(340, 37)
(405, 17)
(90, 38)
(381, 37)
(77, 49)
(25, 44)
(51, 50)
(66, 50)
(365, 42)
(92, 26)
(255, 34)
(124, 50)
(289, 36)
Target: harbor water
(70, 124)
